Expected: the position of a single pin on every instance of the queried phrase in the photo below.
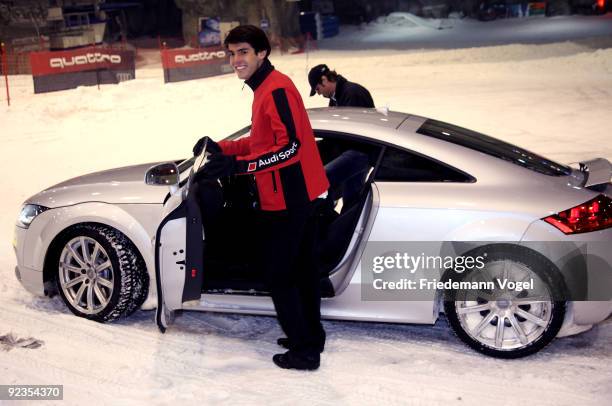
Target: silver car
(148, 236)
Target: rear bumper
(581, 314)
(591, 312)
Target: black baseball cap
(314, 77)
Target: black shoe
(284, 342)
(290, 360)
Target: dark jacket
(349, 94)
(280, 151)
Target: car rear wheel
(100, 274)
(507, 323)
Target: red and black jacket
(281, 151)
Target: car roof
(330, 117)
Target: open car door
(178, 248)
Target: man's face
(326, 88)
(244, 59)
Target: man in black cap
(337, 89)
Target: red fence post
(4, 63)
(97, 67)
(310, 42)
(162, 48)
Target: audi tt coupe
(149, 236)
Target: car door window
(399, 165)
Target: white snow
(408, 32)
(399, 19)
(554, 99)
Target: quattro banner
(188, 64)
(61, 70)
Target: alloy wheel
(506, 319)
(86, 275)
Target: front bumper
(30, 279)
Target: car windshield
(492, 146)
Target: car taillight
(601, 4)
(596, 214)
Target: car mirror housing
(166, 174)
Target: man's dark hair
(254, 36)
(331, 75)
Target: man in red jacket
(281, 155)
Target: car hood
(118, 186)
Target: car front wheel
(506, 323)
(100, 275)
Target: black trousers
(286, 239)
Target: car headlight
(28, 214)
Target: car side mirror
(166, 174)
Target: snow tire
(130, 280)
(555, 313)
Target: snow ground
(414, 33)
(554, 99)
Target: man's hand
(218, 166)
(211, 146)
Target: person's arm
(236, 147)
(279, 110)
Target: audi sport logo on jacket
(276, 157)
(87, 59)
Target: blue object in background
(210, 33)
(319, 26)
